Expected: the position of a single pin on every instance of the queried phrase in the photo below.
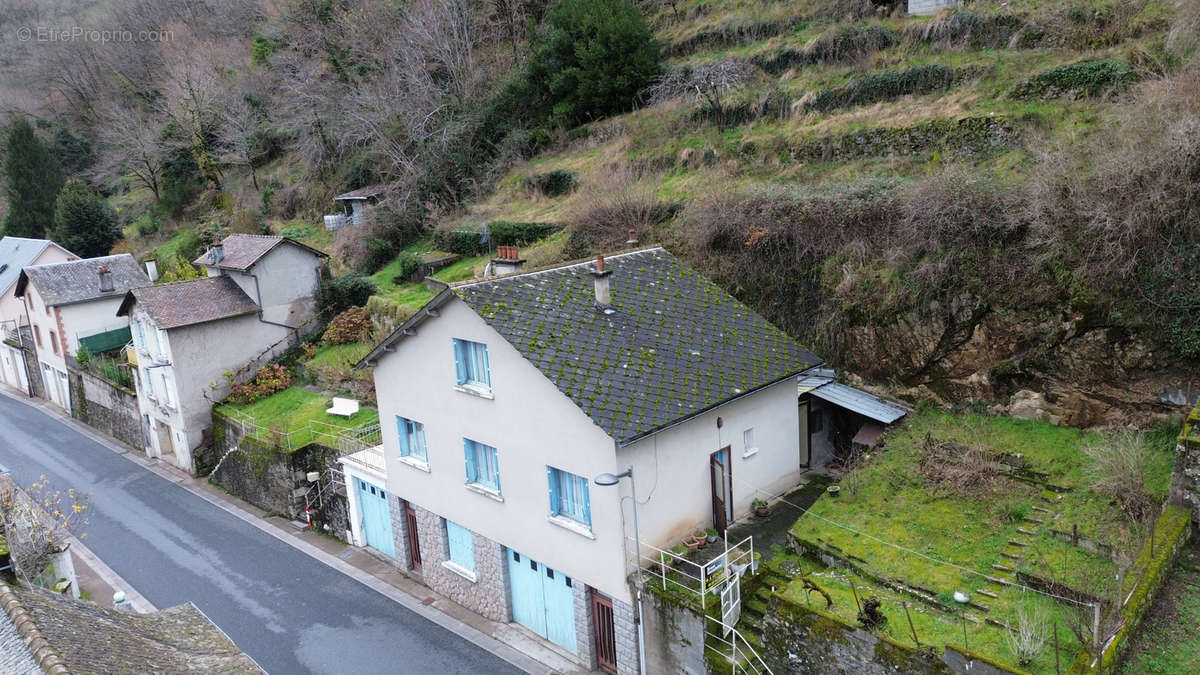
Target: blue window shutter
(402, 429)
(424, 449)
(552, 479)
(469, 453)
(460, 361)
(496, 467)
(587, 501)
(485, 372)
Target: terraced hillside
(923, 199)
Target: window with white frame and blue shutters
(471, 367)
(412, 439)
(569, 496)
(460, 546)
(483, 465)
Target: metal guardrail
(345, 440)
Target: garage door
(376, 518)
(543, 600)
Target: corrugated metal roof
(809, 382)
(860, 402)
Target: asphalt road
(289, 612)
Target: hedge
(502, 233)
(1086, 78)
(884, 87)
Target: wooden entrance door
(414, 541)
(605, 632)
(722, 488)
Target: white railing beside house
(736, 649)
(702, 579)
(344, 440)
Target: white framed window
(749, 449)
(471, 366)
(483, 465)
(412, 439)
(166, 388)
(569, 496)
(161, 338)
(149, 381)
(460, 546)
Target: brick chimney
(507, 261)
(601, 279)
(632, 240)
(216, 252)
(106, 280)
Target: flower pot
(693, 545)
(762, 511)
(833, 490)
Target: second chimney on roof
(633, 240)
(507, 261)
(216, 252)
(106, 281)
(601, 281)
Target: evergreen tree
(83, 222)
(32, 182)
(594, 59)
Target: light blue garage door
(543, 600)
(376, 518)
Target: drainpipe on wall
(258, 293)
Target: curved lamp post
(609, 480)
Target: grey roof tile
(16, 253)
(67, 283)
(675, 345)
(185, 303)
(92, 639)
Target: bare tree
(38, 523)
(1028, 637)
(128, 136)
(709, 82)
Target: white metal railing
(345, 439)
(699, 578)
(732, 646)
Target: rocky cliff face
(1059, 368)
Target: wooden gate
(605, 630)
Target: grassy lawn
(339, 356)
(300, 414)
(897, 524)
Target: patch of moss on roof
(675, 345)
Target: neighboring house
(17, 253)
(190, 338)
(279, 274)
(354, 207)
(502, 399)
(73, 303)
(42, 631)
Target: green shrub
(296, 231)
(379, 253)
(83, 356)
(593, 59)
(507, 233)
(552, 184)
(269, 379)
(352, 325)
(1087, 78)
(462, 242)
(149, 223)
(335, 296)
(885, 87)
(407, 265)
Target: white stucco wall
(199, 356)
(672, 466)
(89, 318)
(531, 424)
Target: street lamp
(609, 480)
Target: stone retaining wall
(105, 406)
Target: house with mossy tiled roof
(504, 398)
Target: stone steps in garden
(986, 593)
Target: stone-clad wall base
(399, 533)
(488, 594)
(625, 628)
